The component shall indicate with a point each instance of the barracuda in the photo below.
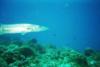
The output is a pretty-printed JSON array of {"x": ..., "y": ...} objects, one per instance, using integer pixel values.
[{"x": 21, "y": 28}]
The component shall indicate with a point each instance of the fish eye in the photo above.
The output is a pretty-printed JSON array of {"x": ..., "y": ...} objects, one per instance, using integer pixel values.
[{"x": 40, "y": 26}]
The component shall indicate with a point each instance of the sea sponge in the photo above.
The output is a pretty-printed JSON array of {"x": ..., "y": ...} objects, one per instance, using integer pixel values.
[{"x": 88, "y": 51}]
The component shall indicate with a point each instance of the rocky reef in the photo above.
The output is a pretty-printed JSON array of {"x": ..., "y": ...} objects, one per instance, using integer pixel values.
[{"x": 33, "y": 54}]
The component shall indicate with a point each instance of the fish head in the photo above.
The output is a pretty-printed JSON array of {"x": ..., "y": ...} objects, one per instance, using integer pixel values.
[{"x": 37, "y": 28}]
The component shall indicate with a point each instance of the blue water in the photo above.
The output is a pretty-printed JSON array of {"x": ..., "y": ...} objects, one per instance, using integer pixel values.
[{"x": 71, "y": 23}]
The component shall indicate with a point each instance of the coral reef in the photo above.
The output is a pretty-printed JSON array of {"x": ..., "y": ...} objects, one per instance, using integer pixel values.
[{"x": 33, "y": 54}]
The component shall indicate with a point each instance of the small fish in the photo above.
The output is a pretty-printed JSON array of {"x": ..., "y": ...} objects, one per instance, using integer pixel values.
[{"x": 20, "y": 28}]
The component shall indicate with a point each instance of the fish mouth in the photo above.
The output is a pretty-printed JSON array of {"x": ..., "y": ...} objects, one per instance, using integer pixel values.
[{"x": 44, "y": 28}]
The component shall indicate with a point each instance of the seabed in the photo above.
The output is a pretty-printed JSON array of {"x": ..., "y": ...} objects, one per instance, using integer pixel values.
[{"x": 33, "y": 54}]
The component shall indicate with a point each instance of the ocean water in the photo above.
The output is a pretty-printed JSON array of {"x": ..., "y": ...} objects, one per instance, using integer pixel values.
[{"x": 71, "y": 23}]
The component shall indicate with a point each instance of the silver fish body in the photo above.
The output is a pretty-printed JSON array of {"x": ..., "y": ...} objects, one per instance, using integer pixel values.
[{"x": 21, "y": 28}]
